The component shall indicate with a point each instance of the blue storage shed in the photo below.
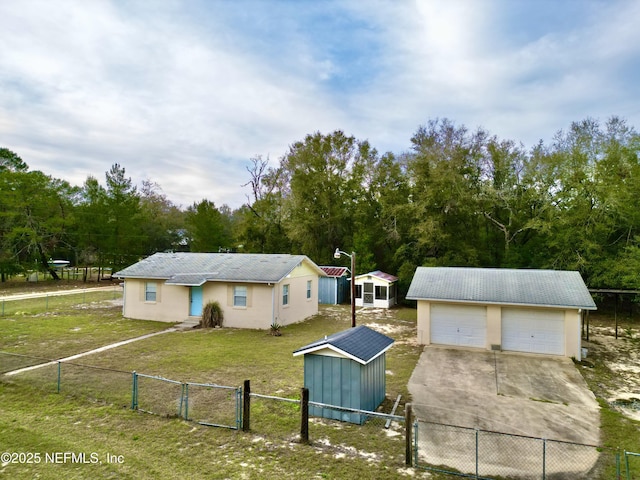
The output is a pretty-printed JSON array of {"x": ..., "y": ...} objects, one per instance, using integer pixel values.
[
  {"x": 334, "y": 288},
  {"x": 346, "y": 369}
]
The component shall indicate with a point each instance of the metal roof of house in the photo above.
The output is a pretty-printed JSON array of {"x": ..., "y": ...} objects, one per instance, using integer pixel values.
[
  {"x": 379, "y": 274},
  {"x": 334, "y": 271},
  {"x": 360, "y": 343},
  {"x": 194, "y": 269},
  {"x": 551, "y": 288}
]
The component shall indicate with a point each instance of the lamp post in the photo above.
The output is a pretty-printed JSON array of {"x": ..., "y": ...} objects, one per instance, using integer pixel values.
[{"x": 337, "y": 254}]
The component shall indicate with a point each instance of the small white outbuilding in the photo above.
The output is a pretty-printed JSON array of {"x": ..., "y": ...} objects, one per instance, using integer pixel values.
[{"x": 376, "y": 289}]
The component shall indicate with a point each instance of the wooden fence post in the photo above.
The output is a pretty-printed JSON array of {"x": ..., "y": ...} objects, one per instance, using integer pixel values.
[
  {"x": 408, "y": 424},
  {"x": 246, "y": 406},
  {"x": 304, "y": 416}
]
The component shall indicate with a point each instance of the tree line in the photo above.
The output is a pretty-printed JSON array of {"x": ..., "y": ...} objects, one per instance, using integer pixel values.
[{"x": 455, "y": 197}]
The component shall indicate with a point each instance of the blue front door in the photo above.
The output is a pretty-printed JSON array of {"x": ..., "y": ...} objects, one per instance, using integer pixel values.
[{"x": 195, "y": 306}]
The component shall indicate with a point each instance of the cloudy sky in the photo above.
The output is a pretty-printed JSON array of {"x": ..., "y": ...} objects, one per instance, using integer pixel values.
[{"x": 185, "y": 92}]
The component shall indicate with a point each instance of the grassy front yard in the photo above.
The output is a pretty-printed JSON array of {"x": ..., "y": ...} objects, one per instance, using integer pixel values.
[
  {"x": 92, "y": 413},
  {"x": 79, "y": 420},
  {"x": 61, "y": 326}
]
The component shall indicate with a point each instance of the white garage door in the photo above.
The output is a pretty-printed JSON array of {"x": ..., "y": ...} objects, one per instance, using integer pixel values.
[
  {"x": 459, "y": 325},
  {"x": 534, "y": 331}
]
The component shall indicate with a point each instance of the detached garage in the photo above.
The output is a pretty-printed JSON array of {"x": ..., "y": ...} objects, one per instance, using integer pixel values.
[{"x": 531, "y": 311}]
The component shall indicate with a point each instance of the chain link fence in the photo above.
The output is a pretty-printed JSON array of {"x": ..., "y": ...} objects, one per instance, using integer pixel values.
[
  {"x": 207, "y": 404},
  {"x": 213, "y": 405},
  {"x": 53, "y": 301},
  {"x": 485, "y": 454},
  {"x": 98, "y": 384},
  {"x": 632, "y": 465},
  {"x": 275, "y": 417},
  {"x": 343, "y": 431},
  {"x": 157, "y": 395},
  {"x": 451, "y": 449},
  {"x": 14, "y": 361},
  {"x": 362, "y": 433}
]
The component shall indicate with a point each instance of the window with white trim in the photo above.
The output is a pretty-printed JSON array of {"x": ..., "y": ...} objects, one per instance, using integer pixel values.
[
  {"x": 150, "y": 291},
  {"x": 240, "y": 296},
  {"x": 285, "y": 295},
  {"x": 381, "y": 292},
  {"x": 308, "y": 288}
]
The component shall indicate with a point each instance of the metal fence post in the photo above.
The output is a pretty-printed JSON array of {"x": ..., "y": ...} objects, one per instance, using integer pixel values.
[
  {"x": 544, "y": 458},
  {"x": 238, "y": 408},
  {"x": 416, "y": 458},
  {"x": 407, "y": 423},
  {"x": 134, "y": 391},
  {"x": 618, "y": 473},
  {"x": 185, "y": 389},
  {"x": 246, "y": 406},
  {"x": 477, "y": 450},
  {"x": 59, "y": 376},
  {"x": 626, "y": 465},
  {"x": 304, "y": 416}
]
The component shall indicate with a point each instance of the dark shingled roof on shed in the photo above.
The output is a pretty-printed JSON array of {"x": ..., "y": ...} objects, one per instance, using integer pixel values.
[{"x": 360, "y": 342}]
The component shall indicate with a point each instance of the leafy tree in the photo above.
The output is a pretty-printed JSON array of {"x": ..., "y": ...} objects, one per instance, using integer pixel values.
[
  {"x": 259, "y": 225},
  {"x": 207, "y": 229},
  {"x": 326, "y": 175},
  {"x": 125, "y": 239},
  {"x": 162, "y": 223},
  {"x": 37, "y": 218},
  {"x": 11, "y": 161},
  {"x": 92, "y": 230},
  {"x": 381, "y": 224},
  {"x": 445, "y": 174},
  {"x": 512, "y": 202}
]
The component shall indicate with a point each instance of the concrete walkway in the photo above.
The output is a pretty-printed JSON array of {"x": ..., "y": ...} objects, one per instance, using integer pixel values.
[
  {"x": 90, "y": 352},
  {"x": 187, "y": 324}
]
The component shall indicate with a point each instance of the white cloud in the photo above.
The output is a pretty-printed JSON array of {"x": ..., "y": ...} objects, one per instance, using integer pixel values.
[{"x": 184, "y": 93}]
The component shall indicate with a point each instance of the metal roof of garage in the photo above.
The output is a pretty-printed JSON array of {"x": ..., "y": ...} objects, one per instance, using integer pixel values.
[{"x": 550, "y": 288}]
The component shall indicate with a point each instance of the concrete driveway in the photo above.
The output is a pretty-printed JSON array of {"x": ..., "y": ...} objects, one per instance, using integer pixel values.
[{"x": 533, "y": 395}]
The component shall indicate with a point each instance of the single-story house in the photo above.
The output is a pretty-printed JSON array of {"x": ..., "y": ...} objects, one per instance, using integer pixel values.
[
  {"x": 533, "y": 311},
  {"x": 346, "y": 369},
  {"x": 334, "y": 288},
  {"x": 254, "y": 290},
  {"x": 376, "y": 289}
]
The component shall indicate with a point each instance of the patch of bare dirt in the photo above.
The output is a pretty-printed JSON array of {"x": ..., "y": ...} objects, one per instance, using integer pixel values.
[{"x": 615, "y": 365}]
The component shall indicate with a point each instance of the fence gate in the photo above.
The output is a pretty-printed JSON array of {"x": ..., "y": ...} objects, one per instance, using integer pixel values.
[
  {"x": 205, "y": 403},
  {"x": 213, "y": 405},
  {"x": 157, "y": 395}
]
